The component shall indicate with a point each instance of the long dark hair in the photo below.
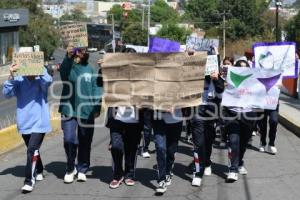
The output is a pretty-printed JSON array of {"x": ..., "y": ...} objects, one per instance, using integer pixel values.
[{"x": 83, "y": 55}]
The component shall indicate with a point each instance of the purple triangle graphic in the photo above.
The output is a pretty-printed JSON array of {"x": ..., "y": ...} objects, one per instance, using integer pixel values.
[{"x": 269, "y": 82}]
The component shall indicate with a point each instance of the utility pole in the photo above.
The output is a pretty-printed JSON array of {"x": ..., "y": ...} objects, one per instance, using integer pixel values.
[
  {"x": 278, "y": 4},
  {"x": 143, "y": 18},
  {"x": 224, "y": 32},
  {"x": 113, "y": 43},
  {"x": 149, "y": 17}
]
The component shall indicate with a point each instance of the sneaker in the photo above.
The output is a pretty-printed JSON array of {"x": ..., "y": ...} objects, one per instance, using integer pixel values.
[
  {"x": 242, "y": 170},
  {"x": 262, "y": 148},
  {"x": 129, "y": 182},
  {"x": 39, "y": 177},
  {"x": 81, "y": 177},
  {"x": 69, "y": 177},
  {"x": 207, "y": 171},
  {"x": 272, "y": 149},
  {"x": 116, "y": 183},
  {"x": 146, "y": 154},
  {"x": 254, "y": 133},
  {"x": 161, "y": 188},
  {"x": 232, "y": 177},
  {"x": 27, "y": 188},
  {"x": 197, "y": 180},
  {"x": 168, "y": 180}
]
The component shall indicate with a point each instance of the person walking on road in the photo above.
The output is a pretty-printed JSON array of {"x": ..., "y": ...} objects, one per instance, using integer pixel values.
[
  {"x": 79, "y": 106},
  {"x": 33, "y": 118}
]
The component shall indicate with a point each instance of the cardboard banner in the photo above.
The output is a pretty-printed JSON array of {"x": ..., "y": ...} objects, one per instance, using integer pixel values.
[
  {"x": 161, "y": 81},
  {"x": 74, "y": 33},
  {"x": 252, "y": 88},
  {"x": 212, "y": 65},
  {"x": 29, "y": 63},
  {"x": 158, "y": 45},
  {"x": 277, "y": 56},
  {"x": 201, "y": 44}
]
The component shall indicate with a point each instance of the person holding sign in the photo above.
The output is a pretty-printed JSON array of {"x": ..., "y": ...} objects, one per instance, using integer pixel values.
[
  {"x": 203, "y": 122},
  {"x": 79, "y": 106},
  {"x": 33, "y": 118}
]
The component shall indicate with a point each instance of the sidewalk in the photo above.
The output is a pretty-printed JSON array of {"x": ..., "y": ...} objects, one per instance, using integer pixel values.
[{"x": 289, "y": 113}]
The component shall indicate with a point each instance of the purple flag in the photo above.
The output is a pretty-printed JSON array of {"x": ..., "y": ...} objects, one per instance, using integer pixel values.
[
  {"x": 269, "y": 82},
  {"x": 158, "y": 45}
]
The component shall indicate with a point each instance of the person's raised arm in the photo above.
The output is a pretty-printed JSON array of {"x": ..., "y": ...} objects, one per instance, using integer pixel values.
[{"x": 10, "y": 86}]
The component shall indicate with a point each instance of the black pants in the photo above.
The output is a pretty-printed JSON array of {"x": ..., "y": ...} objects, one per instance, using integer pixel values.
[
  {"x": 263, "y": 126},
  {"x": 81, "y": 141},
  {"x": 148, "y": 114},
  {"x": 166, "y": 137},
  {"x": 34, "y": 163},
  {"x": 239, "y": 132},
  {"x": 203, "y": 132},
  {"x": 125, "y": 138}
]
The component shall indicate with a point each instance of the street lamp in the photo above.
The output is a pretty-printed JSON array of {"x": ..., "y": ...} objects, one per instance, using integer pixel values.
[{"x": 278, "y": 4}]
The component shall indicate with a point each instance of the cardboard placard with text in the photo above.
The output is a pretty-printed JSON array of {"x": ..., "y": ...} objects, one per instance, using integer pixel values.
[
  {"x": 75, "y": 33},
  {"x": 201, "y": 44},
  {"x": 160, "y": 80},
  {"x": 29, "y": 63}
]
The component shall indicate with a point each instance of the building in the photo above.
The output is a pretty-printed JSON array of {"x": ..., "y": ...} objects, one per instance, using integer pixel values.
[{"x": 10, "y": 22}]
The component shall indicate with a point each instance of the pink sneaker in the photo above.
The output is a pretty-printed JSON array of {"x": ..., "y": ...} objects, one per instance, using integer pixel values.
[
  {"x": 116, "y": 183},
  {"x": 129, "y": 182}
]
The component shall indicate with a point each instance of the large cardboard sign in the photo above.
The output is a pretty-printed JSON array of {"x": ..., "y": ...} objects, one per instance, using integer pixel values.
[
  {"x": 74, "y": 33},
  {"x": 159, "y": 80},
  {"x": 29, "y": 63}
]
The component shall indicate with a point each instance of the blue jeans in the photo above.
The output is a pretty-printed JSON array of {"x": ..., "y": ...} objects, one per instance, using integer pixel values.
[
  {"x": 125, "y": 138},
  {"x": 166, "y": 137},
  {"x": 81, "y": 141}
]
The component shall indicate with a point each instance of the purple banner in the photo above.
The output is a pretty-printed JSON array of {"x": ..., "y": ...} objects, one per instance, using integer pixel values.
[{"x": 160, "y": 45}]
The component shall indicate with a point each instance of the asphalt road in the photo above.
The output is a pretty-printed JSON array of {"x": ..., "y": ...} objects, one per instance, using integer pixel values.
[
  {"x": 8, "y": 106},
  {"x": 271, "y": 177}
]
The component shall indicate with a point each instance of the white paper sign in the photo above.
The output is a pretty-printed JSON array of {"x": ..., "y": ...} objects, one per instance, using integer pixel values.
[
  {"x": 252, "y": 88},
  {"x": 212, "y": 64}
]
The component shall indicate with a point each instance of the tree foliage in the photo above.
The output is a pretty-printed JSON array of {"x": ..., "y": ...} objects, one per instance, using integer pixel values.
[
  {"x": 174, "y": 32},
  {"x": 162, "y": 12},
  {"x": 293, "y": 30},
  {"x": 134, "y": 34},
  {"x": 76, "y": 15},
  {"x": 40, "y": 29}
]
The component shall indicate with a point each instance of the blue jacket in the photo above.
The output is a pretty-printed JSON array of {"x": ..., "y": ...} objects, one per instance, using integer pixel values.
[{"x": 33, "y": 115}]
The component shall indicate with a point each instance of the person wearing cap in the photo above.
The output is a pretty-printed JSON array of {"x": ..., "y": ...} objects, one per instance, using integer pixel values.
[{"x": 79, "y": 106}]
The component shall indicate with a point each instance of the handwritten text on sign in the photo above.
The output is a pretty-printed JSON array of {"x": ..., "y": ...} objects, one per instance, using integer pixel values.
[
  {"x": 29, "y": 63},
  {"x": 75, "y": 34}
]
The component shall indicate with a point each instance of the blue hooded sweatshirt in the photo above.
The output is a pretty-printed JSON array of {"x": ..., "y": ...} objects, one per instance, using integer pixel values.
[{"x": 33, "y": 115}]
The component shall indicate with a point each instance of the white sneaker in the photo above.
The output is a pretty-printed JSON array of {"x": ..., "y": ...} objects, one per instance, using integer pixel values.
[
  {"x": 168, "y": 180},
  {"x": 81, "y": 177},
  {"x": 254, "y": 133},
  {"x": 262, "y": 148},
  {"x": 69, "y": 177},
  {"x": 27, "y": 188},
  {"x": 207, "y": 171},
  {"x": 243, "y": 170},
  {"x": 161, "y": 188},
  {"x": 39, "y": 177},
  {"x": 272, "y": 149},
  {"x": 196, "y": 181},
  {"x": 146, "y": 154},
  {"x": 232, "y": 176}
]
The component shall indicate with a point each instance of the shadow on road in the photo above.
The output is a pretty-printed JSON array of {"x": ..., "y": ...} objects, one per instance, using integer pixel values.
[
  {"x": 17, "y": 171},
  {"x": 56, "y": 168}
]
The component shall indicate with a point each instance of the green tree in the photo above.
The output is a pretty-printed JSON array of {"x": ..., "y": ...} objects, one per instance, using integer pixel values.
[
  {"x": 162, "y": 12},
  {"x": 293, "y": 30},
  {"x": 76, "y": 15},
  {"x": 134, "y": 34},
  {"x": 174, "y": 32},
  {"x": 40, "y": 29}
]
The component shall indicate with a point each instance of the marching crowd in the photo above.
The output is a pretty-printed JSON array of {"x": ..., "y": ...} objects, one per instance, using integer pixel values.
[{"x": 129, "y": 126}]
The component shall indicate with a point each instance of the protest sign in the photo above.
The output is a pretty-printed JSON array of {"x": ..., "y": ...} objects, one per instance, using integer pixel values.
[
  {"x": 159, "y": 80},
  {"x": 212, "y": 65},
  {"x": 163, "y": 45},
  {"x": 29, "y": 63},
  {"x": 74, "y": 33},
  {"x": 201, "y": 44},
  {"x": 277, "y": 56},
  {"x": 252, "y": 88}
]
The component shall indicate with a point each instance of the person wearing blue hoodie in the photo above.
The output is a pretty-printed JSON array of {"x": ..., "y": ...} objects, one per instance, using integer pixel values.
[{"x": 33, "y": 118}]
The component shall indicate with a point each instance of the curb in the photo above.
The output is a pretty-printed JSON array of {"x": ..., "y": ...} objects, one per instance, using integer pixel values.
[
  {"x": 289, "y": 124},
  {"x": 10, "y": 139}
]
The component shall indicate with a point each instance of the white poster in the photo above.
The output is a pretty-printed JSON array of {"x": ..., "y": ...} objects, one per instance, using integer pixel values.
[
  {"x": 252, "y": 88},
  {"x": 277, "y": 56},
  {"x": 212, "y": 65}
]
